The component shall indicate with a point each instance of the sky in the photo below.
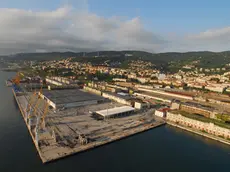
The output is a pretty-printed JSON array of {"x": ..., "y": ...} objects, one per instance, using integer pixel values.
[{"x": 96, "y": 25}]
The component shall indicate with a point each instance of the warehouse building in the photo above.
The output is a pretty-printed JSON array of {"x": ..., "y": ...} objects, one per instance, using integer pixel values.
[
  {"x": 191, "y": 107},
  {"x": 70, "y": 98},
  {"x": 198, "y": 109},
  {"x": 161, "y": 112},
  {"x": 60, "y": 81},
  {"x": 120, "y": 98},
  {"x": 173, "y": 94},
  {"x": 115, "y": 112}
]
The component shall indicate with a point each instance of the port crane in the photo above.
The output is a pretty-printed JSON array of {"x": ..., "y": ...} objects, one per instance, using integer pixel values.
[
  {"x": 16, "y": 80},
  {"x": 31, "y": 106},
  {"x": 30, "y": 102},
  {"x": 37, "y": 102},
  {"x": 44, "y": 115}
]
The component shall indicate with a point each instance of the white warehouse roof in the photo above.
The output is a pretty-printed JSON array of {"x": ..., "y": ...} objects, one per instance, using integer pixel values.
[{"x": 114, "y": 111}]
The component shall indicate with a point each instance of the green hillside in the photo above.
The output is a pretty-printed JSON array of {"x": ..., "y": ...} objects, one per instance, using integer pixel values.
[{"x": 206, "y": 59}]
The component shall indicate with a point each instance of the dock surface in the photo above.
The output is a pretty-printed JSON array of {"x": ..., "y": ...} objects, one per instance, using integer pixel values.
[{"x": 68, "y": 127}]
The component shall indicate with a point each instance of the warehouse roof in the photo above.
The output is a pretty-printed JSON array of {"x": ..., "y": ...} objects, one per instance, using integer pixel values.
[
  {"x": 125, "y": 97},
  {"x": 69, "y": 96},
  {"x": 114, "y": 111},
  {"x": 197, "y": 105}
]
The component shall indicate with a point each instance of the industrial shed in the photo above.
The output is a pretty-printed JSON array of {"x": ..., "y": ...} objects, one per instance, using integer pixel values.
[
  {"x": 115, "y": 112},
  {"x": 70, "y": 98}
]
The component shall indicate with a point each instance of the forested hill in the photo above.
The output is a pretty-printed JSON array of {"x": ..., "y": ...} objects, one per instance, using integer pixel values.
[
  {"x": 206, "y": 58},
  {"x": 59, "y": 55}
]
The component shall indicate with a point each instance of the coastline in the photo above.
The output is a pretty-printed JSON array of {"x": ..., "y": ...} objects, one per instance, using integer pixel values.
[{"x": 199, "y": 133}]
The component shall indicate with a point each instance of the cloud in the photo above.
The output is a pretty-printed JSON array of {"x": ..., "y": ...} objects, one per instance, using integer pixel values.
[
  {"x": 210, "y": 40},
  {"x": 68, "y": 29},
  {"x": 212, "y": 34},
  {"x": 77, "y": 29}
]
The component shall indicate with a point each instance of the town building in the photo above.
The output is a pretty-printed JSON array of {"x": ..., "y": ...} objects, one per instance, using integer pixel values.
[
  {"x": 195, "y": 108},
  {"x": 198, "y": 125},
  {"x": 161, "y": 112}
]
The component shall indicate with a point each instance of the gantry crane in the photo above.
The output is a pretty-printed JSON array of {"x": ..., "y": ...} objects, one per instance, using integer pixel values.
[
  {"x": 34, "y": 106},
  {"x": 44, "y": 115},
  {"x": 37, "y": 103},
  {"x": 32, "y": 112},
  {"x": 16, "y": 80},
  {"x": 30, "y": 103}
]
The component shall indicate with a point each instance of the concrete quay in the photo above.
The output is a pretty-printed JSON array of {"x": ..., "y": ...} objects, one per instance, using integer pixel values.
[
  {"x": 32, "y": 136},
  {"x": 54, "y": 151},
  {"x": 199, "y": 133}
]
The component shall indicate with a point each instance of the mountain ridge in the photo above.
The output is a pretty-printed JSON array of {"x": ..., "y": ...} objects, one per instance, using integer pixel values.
[{"x": 206, "y": 58}]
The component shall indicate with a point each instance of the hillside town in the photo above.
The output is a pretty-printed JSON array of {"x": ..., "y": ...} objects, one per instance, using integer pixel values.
[{"x": 213, "y": 80}]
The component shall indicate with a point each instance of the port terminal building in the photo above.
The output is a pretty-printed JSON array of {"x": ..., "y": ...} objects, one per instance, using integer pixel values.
[{"x": 69, "y": 98}]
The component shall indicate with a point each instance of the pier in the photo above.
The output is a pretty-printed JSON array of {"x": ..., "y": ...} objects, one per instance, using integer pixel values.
[{"x": 111, "y": 132}]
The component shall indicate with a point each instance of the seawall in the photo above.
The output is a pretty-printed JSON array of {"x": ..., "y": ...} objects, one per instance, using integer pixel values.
[{"x": 200, "y": 133}]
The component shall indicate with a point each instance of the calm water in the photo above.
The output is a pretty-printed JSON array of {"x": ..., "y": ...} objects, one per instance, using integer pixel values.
[{"x": 161, "y": 149}]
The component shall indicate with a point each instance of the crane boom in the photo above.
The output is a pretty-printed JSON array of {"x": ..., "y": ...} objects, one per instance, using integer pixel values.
[
  {"x": 42, "y": 124},
  {"x": 45, "y": 112},
  {"x": 36, "y": 107},
  {"x": 16, "y": 80},
  {"x": 37, "y": 103},
  {"x": 30, "y": 101}
]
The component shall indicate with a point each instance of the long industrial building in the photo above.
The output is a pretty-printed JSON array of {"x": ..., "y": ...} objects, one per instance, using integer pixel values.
[
  {"x": 191, "y": 107},
  {"x": 167, "y": 93},
  {"x": 115, "y": 112},
  {"x": 70, "y": 98}
]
